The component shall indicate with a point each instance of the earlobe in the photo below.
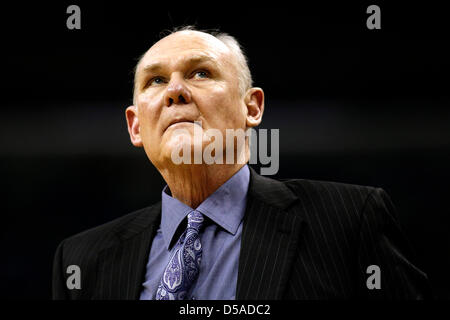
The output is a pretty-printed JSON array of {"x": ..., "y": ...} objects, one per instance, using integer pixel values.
[
  {"x": 254, "y": 101},
  {"x": 133, "y": 125}
]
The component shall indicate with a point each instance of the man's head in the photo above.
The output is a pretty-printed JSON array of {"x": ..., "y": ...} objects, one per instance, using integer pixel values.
[{"x": 190, "y": 76}]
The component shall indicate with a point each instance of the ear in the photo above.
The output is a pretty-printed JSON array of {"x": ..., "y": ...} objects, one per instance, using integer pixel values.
[
  {"x": 131, "y": 114},
  {"x": 254, "y": 100}
]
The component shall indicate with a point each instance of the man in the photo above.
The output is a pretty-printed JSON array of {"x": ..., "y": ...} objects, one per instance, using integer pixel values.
[{"x": 222, "y": 231}]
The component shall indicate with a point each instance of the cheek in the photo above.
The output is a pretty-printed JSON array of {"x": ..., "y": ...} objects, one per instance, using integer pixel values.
[
  {"x": 149, "y": 100},
  {"x": 149, "y": 114},
  {"x": 224, "y": 110}
]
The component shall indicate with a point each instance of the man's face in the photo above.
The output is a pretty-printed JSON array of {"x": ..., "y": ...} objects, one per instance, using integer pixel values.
[{"x": 188, "y": 76}]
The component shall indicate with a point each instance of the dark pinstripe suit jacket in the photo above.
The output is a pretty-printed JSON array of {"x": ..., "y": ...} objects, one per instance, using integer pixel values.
[{"x": 301, "y": 239}]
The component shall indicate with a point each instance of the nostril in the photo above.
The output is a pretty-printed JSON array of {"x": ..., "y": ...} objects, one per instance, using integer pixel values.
[
  {"x": 181, "y": 98},
  {"x": 170, "y": 101}
]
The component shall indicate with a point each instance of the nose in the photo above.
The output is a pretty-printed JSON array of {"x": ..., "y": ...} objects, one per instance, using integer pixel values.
[{"x": 177, "y": 93}]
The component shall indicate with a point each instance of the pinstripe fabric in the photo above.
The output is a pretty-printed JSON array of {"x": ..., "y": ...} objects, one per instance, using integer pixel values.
[{"x": 301, "y": 239}]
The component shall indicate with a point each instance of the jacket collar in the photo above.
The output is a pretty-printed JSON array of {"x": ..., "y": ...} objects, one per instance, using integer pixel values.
[{"x": 270, "y": 191}]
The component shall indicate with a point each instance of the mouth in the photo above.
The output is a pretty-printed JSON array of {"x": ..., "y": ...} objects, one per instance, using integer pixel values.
[{"x": 178, "y": 121}]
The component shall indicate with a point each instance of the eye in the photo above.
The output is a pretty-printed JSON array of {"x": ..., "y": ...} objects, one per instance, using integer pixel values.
[
  {"x": 201, "y": 74},
  {"x": 155, "y": 81}
]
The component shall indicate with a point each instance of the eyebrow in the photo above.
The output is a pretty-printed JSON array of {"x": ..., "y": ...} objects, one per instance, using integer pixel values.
[{"x": 196, "y": 59}]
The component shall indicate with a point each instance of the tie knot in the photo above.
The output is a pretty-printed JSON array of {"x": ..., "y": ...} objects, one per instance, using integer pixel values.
[{"x": 195, "y": 220}]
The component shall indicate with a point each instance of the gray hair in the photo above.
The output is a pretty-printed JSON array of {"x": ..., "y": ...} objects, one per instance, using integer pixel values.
[{"x": 244, "y": 74}]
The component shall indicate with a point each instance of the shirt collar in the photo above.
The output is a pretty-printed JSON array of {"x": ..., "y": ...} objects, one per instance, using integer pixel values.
[{"x": 226, "y": 206}]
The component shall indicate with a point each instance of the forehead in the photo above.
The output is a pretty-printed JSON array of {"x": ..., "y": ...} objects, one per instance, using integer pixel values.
[{"x": 183, "y": 44}]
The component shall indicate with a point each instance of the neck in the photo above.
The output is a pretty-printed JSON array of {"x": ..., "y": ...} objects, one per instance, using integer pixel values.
[{"x": 192, "y": 184}]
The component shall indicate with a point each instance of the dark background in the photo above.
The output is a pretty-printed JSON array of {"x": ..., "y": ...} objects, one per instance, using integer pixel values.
[{"x": 360, "y": 106}]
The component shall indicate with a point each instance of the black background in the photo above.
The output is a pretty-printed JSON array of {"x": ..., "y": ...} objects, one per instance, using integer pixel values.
[{"x": 360, "y": 106}]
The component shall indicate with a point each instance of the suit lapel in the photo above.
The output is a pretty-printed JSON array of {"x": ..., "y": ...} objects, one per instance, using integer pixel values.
[
  {"x": 121, "y": 267},
  {"x": 269, "y": 239}
]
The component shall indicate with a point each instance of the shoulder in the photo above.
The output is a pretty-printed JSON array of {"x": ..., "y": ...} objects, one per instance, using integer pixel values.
[
  {"x": 107, "y": 234},
  {"x": 330, "y": 191},
  {"x": 334, "y": 204},
  {"x": 311, "y": 193}
]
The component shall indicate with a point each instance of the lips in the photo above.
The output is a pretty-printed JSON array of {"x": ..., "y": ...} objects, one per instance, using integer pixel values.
[{"x": 178, "y": 120}]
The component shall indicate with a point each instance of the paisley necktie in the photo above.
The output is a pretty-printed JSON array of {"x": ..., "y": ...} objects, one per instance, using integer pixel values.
[{"x": 184, "y": 264}]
